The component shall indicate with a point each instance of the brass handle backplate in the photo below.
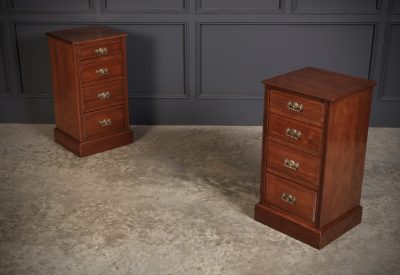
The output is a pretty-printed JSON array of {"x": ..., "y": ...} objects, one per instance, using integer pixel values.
[
  {"x": 290, "y": 199},
  {"x": 293, "y": 133},
  {"x": 104, "y": 95},
  {"x": 294, "y": 106},
  {"x": 291, "y": 164},
  {"x": 101, "y": 51},
  {"x": 102, "y": 71},
  {"x": 105, "y": 122}
]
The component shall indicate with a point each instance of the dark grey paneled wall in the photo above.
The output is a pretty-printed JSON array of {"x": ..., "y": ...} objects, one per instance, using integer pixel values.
[{"x": 202, "y": 61}]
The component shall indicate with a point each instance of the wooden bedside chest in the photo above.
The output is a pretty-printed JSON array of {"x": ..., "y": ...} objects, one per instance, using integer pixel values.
[
  {"x": 314, "y": 142},
  {"x": 90, "y": 89}
]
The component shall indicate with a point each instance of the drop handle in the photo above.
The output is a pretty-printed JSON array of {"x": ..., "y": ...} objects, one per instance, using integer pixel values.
[
  {"x": 291, "y": 164},
  {"x": 293, "y": 133},
  {"x": 102, "y": 71},
  {"x": 105, "y": 122},
  {"x": 101, "y": 51},
  {"x": 288, "y": 198},
  {"x": 104, "y": 95},
  {"x": 294, "y": 106}
]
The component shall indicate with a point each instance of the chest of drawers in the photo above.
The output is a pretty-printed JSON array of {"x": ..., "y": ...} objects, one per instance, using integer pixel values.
[
  {"x": 314, "y": 142},
  {"x": 90, "y": 89}
]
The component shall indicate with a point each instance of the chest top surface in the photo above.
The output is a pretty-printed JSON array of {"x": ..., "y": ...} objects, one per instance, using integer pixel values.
[
  {"x": 85, "y": 34},
  {"x": 319, "y": 83}
]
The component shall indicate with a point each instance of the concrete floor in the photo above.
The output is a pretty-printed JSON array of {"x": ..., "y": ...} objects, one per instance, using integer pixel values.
[{"x": 179, "y": 200}]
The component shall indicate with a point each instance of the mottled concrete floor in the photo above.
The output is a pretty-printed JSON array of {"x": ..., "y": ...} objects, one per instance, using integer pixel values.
[{"x": 179, "y": 200}]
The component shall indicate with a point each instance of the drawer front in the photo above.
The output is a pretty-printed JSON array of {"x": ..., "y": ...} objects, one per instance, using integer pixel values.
[
  {"x": 105, "y": 122},
  {"x": 295, "y": 132},
  {"x": 101, "y": 71},
  {"x": 291, "y": 197},
  {"x": 293, "y": 163},
  {"x": 103, "y": 95},
  {"x": 300, "y": 108},
  {"x": 100, "y": 49}
]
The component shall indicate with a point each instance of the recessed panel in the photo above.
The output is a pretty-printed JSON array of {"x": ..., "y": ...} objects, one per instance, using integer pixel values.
[
  {"x": 50, "y": 5},
  {"x": 335, "y": 6},
  {"x": 235, "y": 58},
  {"x": 239, "y": 5},
  {"x": 394, "y": 6},
  {"x": 144, "y": 5},
  {"x": 391, "y": 77},
  {"x": 34, "y": 59},
  {"x": 3, "y": 86},
  {"x": 156, "y": 59}
]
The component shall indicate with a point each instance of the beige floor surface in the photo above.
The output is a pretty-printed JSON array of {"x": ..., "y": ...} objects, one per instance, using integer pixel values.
[{"x": 179, "y": 200}]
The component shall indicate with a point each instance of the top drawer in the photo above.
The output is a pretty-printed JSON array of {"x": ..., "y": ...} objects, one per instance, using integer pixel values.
[
  {"x": 100, "y": 49},
  {"x": 297, "y": 107}
]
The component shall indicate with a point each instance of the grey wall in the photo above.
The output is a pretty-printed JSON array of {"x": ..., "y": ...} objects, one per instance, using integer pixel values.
[{"x": 202, "y": 61}]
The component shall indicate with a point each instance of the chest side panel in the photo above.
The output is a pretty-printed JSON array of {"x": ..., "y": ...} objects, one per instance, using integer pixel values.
[
  {"x": 346, "y": 140},
  {"x": 65, "y": 88}
]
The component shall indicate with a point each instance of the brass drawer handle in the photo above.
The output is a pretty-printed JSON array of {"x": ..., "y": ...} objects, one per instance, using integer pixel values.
[
  {"x": 101, "y": 51},
  {"x": 105, "y": 122},
  {"x": 102, "y": 71},
  {"x": 293, "y": 133},
  {"x": 104, "y": 95},
  {"x": 290, "y": 199},
  {"x": 294, "y": 106},
  {"x": 291, "y": 164}
]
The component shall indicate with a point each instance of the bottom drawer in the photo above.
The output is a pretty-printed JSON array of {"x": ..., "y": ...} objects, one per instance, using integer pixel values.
[
  {"x": 104, "y": 122},
  {"x": 291, "y": 197}
]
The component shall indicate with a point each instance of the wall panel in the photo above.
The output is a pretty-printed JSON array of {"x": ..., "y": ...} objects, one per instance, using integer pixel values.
[
  {"x": 156, "y": 60},
  {"x": 390, "y": 86},
  {"x": 33, "y": 57},
  {"x": 118, "y": 6},
  {"x": 49, "y": 6},
  {"x": 256, "y": 6},
  {"x": 394, "y": 6},
  {"x": 3, "y": 80},
  {"x": 335, "y": 6},
  {"x": 234, "y": 58}
]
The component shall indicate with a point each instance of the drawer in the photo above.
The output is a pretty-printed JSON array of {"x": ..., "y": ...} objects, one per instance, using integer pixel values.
[
  {"x": 292, "y": 162},
  {"x": 100, "y": 49},
  {"x": 104, "y": 122},
  {"x": 297, "y": 107},
  {"x": 296, "y": 132},
  {"x": 291, "y": 197},
  {"x": 103, "y": 95},
  {"x": 101, "y": 71}
]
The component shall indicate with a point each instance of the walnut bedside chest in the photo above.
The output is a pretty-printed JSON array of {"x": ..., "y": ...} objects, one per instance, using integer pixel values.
[
  {"x": 314, "y": 142},
  {"x": 90, "y": 89}
]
